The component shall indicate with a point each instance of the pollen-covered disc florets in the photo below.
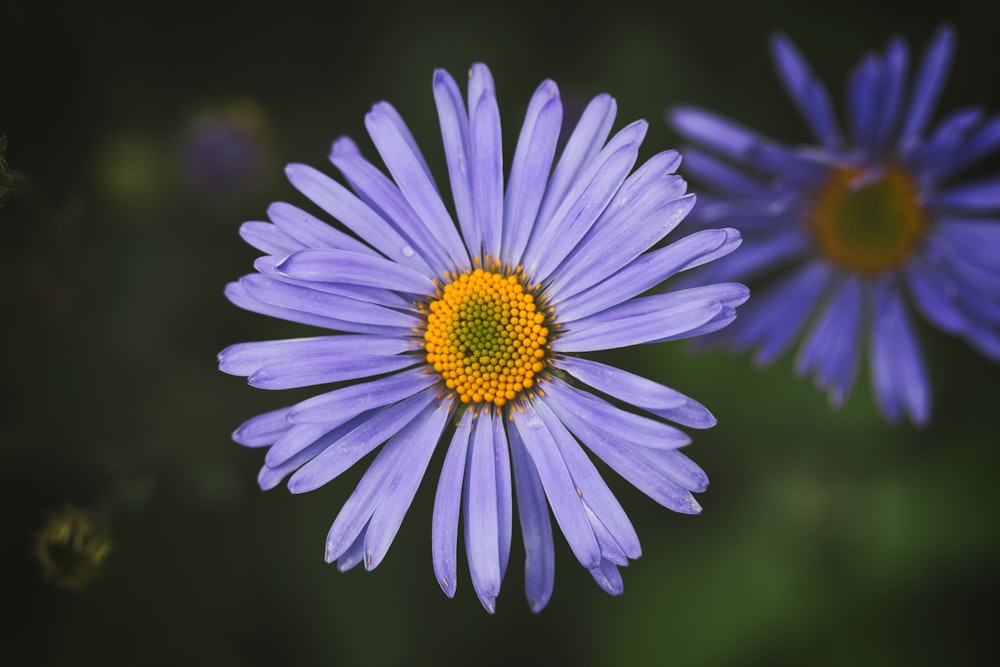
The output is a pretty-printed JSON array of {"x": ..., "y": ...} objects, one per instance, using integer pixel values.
[{"x": 486, "y": 335}]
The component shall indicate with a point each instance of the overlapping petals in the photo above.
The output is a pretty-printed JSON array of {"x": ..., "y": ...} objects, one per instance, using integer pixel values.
[
  {"x": 769, "y": 191},
  {"x": 579, "y": 229}
]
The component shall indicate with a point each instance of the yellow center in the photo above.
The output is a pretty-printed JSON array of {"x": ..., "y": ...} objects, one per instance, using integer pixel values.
[
  {"x": 868, "y": 226},
  {"x": 486, "y": 337}
]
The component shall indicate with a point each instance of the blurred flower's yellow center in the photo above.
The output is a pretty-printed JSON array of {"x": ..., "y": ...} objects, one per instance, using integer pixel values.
[
  {"x": 486, "y": 336},
  {"x": 869, "y": 226}
]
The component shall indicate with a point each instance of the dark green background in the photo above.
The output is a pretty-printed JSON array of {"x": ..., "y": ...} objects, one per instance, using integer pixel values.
[{"x": 827, "y": 537}]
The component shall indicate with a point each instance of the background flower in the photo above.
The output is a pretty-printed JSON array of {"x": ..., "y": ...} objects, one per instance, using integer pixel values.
[{"x": 854, "y": 225}]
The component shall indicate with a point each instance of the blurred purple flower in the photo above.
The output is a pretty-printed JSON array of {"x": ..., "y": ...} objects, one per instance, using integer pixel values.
[{"x": 852, "y": 230}]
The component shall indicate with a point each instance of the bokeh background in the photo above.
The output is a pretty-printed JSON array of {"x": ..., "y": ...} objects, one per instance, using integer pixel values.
[{"x": 142, "y": 138}]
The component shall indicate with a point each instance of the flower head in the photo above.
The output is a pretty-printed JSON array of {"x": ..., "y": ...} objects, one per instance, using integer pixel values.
[
  {"x": 465, "y": 335},
  {"x": 852, "y": 230}
]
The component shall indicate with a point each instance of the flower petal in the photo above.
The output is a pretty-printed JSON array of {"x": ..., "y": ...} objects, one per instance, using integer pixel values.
[
  {"x": 831, "y": 352},
  {"x": 529, "y": 170},
  {"x": 335, "y": 406},
  {"x": 644, "y": 273},
  {"x": 899, "y": 374},
  {"x": 447, "y": 508},
  {"x": 454, "y": 122},
  {"x": 773, "y": 318},
  {"x": 357, "y": 216},
  {"x": 418, "y": 440},
  {"x": 558, "y": 484},
  {"x": 611, "y": 333},
  {"x": 348, "y": 450},
  {"x": 657, "y": 473},
  {"x": 341, "y": 266},
  {"x": 487, "y": 169},
  {"x": 536, "y": 528},
  {"x": 481, "y": 517},
  {"x": 806, "y": 91},
  {"x": 264, "y": 429},
  {"x": 403, "y": 162},
  {"x": 247, "y": 358},
  {"x": 583, "y": 145},
  {"x": 929, "y": 82},
  {"x": 422, "y": 246},
  {"x": 591, "y": 488},
  {"x": 638, "y": 391}
]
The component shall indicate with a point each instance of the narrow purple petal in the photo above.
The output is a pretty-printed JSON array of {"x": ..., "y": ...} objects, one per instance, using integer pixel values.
[
  {"x": 973, "y": 197},
  {"x": 295, "y": 449},
  {"x": 357, "y": 216},
  {"x": 310, "y": 231},
  {"x": 363, "y": 439},
  {"x": 311, "y": 438},
  {"x": 633, "y": 428},
  {"x": 608, "y": 577},
  {"x": 487, "y": 171},
  {"x": 481, "y": 518},
  {"x": 404, "y": 165},
  {"x": 264, "y": 429},
  {"x": 422, "y": 246},
  {"x": 583, "y": 145},
  {"x": 832, "y": 351},
  {"x": 354, "y": 555},
  {"x": 246, "y": 358},
  {"x": 773, "y": 318},
  {"x": 720, "y": 176},
  {"x": 555, "y": 238},
  {"x": 930, "y": 80},
  {"x": 268, "y": 238},
  {"x": 341, "y": 266},
  {"x": 654, "y": 472},
  {"x": 713, "y": 131},
  {"x": 353, "y": 519},
  {"x": 612, "y": 333},
  {"x": 378, "y": 296},
  {"x": 591, "y": 487},
  {"x": 806, "y": 92},
  {"x": 536, "y": 528},
  {"x": 937, "y": 153},
  {"x": 899, "y": 374},
  {"x": 505, "y": 497},
  {"x": 454, "y": 122},
  {"x": 644, "y": 273},
  {"x": 418, "y": 440},
  {"x": 249, "y": 299},
  {"x": 559, "y": 488},
  {"x": 985, "y": 141},
  {"x": 447, "y": 508},
  {"x": 529, "y": 170},
  {"x": 935, "y": 295},
  {"x": 648, "y": 206},
  {"x": 336, "y": 406},
  {"x": 638, "y": 391},
  {"x": 331, "y": 306},
  {"x": 292, "y": 373},
  {"x": 864, "y": 99},
  {"x": 897, "y": 64},
  {"x": 761, "y": 254}
]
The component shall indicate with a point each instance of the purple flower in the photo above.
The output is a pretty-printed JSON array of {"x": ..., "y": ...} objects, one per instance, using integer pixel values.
[
  {"x": 466, "y": 336},
  {"x": 851, "y": 231}
]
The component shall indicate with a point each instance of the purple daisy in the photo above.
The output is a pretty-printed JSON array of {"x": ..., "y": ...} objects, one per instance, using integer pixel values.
[
  {"x": 851, "y": 231},
  {"x": 467, "y": 336}
]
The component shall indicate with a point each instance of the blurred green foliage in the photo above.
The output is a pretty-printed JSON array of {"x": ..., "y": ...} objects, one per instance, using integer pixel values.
[{"x": 828, "y": 537}]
